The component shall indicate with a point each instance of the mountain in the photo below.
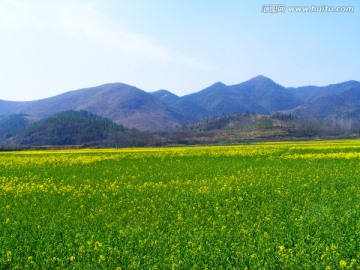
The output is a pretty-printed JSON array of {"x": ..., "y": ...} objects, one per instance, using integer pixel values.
[
  {"x": 336, "y": 104},
  {"x": 220, "y": 99},
  {"x": 123, "y": 104},
  {"x": 259, "y": 95},
  {"x": 307, "y": 94},
  {"x": 341, "y": 106},
  {"x": 190, "y": 110},
  {"x": 267, "y": 94},
  {"x": 163, "y": 110}
]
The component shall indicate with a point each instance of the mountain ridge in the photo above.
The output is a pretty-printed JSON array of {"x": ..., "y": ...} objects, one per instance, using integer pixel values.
[{"x": 162, "y": 110}]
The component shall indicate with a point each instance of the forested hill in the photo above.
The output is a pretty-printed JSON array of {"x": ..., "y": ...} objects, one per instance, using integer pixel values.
[{"x": 68, "y": 128}]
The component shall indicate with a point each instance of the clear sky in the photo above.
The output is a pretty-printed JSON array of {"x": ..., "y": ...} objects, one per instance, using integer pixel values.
[{"x": 48, "y": 47}]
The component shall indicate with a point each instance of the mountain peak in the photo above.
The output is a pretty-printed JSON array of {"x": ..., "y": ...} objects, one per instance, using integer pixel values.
[
  {"x": 215, "y": 86},
  {"x": 218, "y": 84},
  {"x": 347, "y": 83},
  {"x": 261, "y": 78},
  {"x": 162, "y": 92}
]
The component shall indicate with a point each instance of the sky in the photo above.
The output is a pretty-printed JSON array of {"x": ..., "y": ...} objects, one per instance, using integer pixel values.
[{"x": 48, "y": 47}]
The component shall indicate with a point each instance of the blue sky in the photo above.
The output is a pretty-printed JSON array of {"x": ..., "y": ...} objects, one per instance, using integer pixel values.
[{"x": 49, "y": 47}]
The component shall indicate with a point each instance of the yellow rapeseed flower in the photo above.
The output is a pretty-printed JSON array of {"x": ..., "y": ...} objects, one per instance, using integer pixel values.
[
  {"x": 8, "y": 256},
  {"x": 342, "y": 263},
  {"x": 101, "y": 258}
]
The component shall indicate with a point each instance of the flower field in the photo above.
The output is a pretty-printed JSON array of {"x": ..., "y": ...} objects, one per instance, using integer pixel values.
[{"x": 260, "y": 206}]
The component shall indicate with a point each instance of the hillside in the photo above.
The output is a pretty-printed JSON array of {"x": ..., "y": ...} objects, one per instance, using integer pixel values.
[
  {"x": 341, "y": 108},
  {"x": 190, "y": 110},
  {"x": 249, "y": 127},
  {"x": 84, "y": 129},
  {"x": 13, "y": 124}
]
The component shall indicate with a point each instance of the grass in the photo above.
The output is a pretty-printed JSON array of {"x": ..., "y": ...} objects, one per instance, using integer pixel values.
[{"x": 261, "y": 206}]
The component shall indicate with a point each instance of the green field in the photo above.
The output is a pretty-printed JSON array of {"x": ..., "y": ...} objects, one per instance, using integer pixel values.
[{"x": 261, "y": 206}]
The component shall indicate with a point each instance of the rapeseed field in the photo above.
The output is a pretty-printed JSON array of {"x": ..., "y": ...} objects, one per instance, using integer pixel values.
[{"x": 262, "y": 206}]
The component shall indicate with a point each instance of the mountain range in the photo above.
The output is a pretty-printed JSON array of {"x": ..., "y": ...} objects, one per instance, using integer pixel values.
[{"x": 163, "y": 110}]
